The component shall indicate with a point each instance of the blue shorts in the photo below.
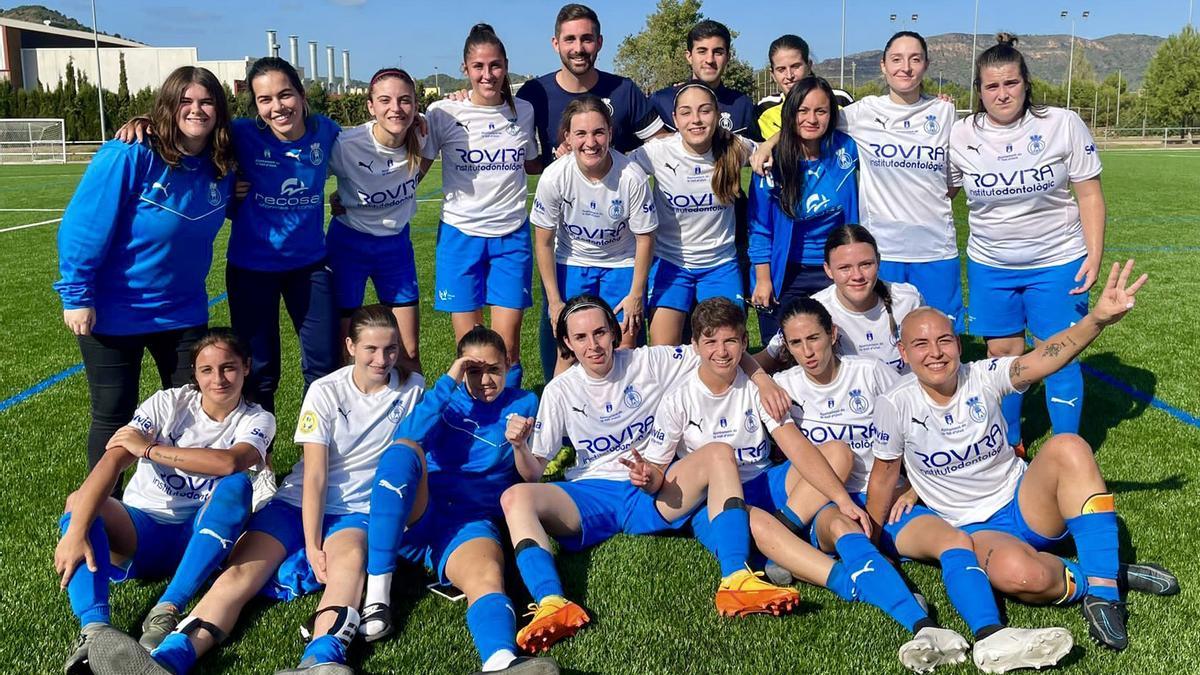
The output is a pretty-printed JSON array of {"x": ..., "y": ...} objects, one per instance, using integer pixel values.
[
  {"x": 1009, "y": 520},
  {"x": 1005, "y": 302},
  {"x": 681, "y": 288},
  {"x": 431, "y": 541},
  {"x": 282, "y": 522},
  {"x": 160, "y": 546},
  {"x": 610, "y": 283},
  {"x": 766, "y": 491},
  {"x": 470, "y": 272},
  {"x": 939, "y": 281},
  {"x": 610, "y": 507},
  {"x": 891, "y": 531},
  {"x": 389, "y": 262}
]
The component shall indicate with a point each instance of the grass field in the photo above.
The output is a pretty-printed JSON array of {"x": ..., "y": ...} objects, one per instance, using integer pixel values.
[{"x": 650, "y": 597}]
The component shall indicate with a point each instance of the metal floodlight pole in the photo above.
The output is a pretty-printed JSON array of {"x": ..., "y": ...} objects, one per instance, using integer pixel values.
[
  {"x": 1071, "y": 57},
  {"x": 971, "y": 64},
  {"x": 1118, "y": 122},
  {"x": 99, "y": 76},
  {"x": 842, "y": 72}
]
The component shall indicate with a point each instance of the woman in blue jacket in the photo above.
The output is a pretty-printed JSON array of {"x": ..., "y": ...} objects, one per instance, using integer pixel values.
[
  {"x": 810, "y": 190},
  {"x": 135, "y": 246}
]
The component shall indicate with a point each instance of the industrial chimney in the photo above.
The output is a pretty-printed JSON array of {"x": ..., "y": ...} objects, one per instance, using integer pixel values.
[
  {"x": 329, "y": 63},
  {"x": 294, "y": 50},
  {"x": 312, "y": 60},
  {"x": 271, "y": 46},
  {"x": 345, "y": 70}
]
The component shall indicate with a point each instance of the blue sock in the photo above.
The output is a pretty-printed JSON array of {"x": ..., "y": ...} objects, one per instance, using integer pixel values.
[
  {"x": 513, "y": 378},
  {"x": 493, "y": 625},
  {"x": 1064, "y": 398},
  {"x": 324, "y": 649},
  {"x": 969, "y": 589},
  {"x": 1095, "y": 536},
  {"x": 88, "y": 590},
  {"x": 877, "y": 581},
  {"x": 537, "y": 569},
  {"x": 1076, "y": 581},
  {"x": 1010, "y": 406},
  {"x": 731, "y": 532},
  {"x": 175, "y": 653},
  {"x": 839, "y": 584},
  {"x": 218, "y": 525},
  {"x": 392, "y": 495}
]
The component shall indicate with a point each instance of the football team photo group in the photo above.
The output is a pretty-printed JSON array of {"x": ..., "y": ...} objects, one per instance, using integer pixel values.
[{"x": 845, "y": 435}]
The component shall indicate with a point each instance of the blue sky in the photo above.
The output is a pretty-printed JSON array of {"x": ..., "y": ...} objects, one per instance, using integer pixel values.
[{"x": 421, "y": 35}]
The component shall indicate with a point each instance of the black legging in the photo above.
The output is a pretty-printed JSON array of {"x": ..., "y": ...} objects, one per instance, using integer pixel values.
[{"x": 113, "y": 364}]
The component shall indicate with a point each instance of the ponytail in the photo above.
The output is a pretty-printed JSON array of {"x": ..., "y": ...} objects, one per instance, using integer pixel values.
[
  {"x": 484, "y": 34},
  {"x": 729, "y": 155}
]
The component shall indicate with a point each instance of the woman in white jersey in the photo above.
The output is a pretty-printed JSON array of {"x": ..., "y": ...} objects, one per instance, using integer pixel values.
[
  {"x": 488, "y": 149},
  {"x": 595, "y": 222},
  {"x": 313, "y": 534},
  {"x": 187, "y": 501},
  {"x": 1034, "y": 251},
  {"x": 697, "y": 178},
  {"x": 866, "y": 309},
  {"x": 376, "y": 165},
  {"x": 903, "y": 139},
  {"x": 605, "y": 405}
]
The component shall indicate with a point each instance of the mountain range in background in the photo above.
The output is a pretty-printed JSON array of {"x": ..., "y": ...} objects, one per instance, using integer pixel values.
[
  {"x": 1047, "y": 56},
  {"x": 40, "y": 14}
]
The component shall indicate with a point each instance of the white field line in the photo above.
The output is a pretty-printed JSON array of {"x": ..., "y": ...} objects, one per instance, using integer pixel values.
[{"x": 22, "y": 227}]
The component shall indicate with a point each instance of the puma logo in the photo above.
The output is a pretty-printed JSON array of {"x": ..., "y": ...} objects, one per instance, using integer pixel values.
[
  {"x": 344, "y": 413},
  {"x": 225, "y": 543},
  {"x": 674, "y": 169},
  {"x": 921, "y": 422},
  {"x": 866, "y": 568},
  {"x": 160, "y": 186},
  {"x": 1064, "y": 401},
  {"x": 387, "y": 485},
  {"x": 881, "y": 122},
  {"x": 581, "y": 411},
  {"x": 569, "y": 202},
  {"x": 367, "y": 165},
  {"x": 699, "y": 425},
  {"x": 974, "y": 147},
  {"x": 461, "y": 124}
]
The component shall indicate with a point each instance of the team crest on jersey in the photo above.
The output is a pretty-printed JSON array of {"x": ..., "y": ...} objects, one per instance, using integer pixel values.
[
  {"x": 978, "y": 412},
  {"x": 931, "y": 125},
  {"x": 858, "y": 402},
  {"x": 723, "y": 423},
  {"x": 315, "y": 154},
  {"x": 616, "y": 209},
  {"x": 308, "y": 422},
  {"x": 1036, "y": 144},
  {"x": 751, "y": 421},
  {"x": 726, "y": 121},
  {"x": 870, "y": 336},
  {"x": 949, "y": 418},
  {"x": 513, "y": 128},
  {"x": 843, "y": 159},
  {"x": 395, "y": 414},
  {"x": 830, "y": 403},
  {"x": 214, "y": 195},
  {"x": 266, "y": 153},
  {"x": 632, "y": 398}
]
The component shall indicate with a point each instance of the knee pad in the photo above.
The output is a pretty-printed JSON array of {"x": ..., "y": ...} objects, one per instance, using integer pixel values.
[
  {"x": 1101, "y": 502},
  {"x": 345, "y": 623},
  {"x": 194, "y": 623},
  {"x": 734, "y": 504}
]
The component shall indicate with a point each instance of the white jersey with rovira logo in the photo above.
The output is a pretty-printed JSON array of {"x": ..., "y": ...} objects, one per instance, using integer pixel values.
[
  {"x": 376, "y": 184},
  {"x": 604, "y": 418},
  {"x": 842, "y": 410},
  {"x": 695, "y": 230},
  {"x": 692, "y": 416},
  {"x": 1017, "y": 179},
  {"x": 484, "y": 149},
  {"x": 595, "y": 221},
  {"x": 865, "y": 333},
  {"x": 356, "y": 428},
  {"x": 957, "y": 455},
  {"x": 903, "y": 175},
  {"x": 175, "y": 418}
]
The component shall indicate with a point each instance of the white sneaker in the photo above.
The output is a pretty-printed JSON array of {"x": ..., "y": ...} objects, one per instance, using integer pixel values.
[
  {"x": 932, "y": 647},
  {"x": 1012, "y": 648},
  {"x": 264, "y": 488}
]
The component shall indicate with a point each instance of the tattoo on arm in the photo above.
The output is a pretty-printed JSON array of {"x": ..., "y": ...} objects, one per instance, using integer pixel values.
[
  {"x": 1053, "y": 349},
  {"x": 1014, "y": 373}
]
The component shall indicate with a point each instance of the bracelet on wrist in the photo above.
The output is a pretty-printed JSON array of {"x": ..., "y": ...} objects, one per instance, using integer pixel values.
[{"x": 146, "y": 452}]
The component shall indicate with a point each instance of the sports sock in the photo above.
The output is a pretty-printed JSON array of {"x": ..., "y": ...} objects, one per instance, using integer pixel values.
[
  {"x": 499, "y": 661},
  {"x": 731, "y": 532},
  {"x": 1064, "y": 398},
  {"x": 175, "y": 653},
  {"x": 1010, "y": 406},
  {"x": 1095, "y": 535},
  {"x": 969, "y": 589},
  {"x": 217, "y": 527},
  {"x": 324, "y": 649},
  {"x": 513, "y": 378},
  {"x": 1076, "y": 582},
  {"x": 88, "y": 590},
  {"x": 492, "y": 623},
  {"x": 877, "y": 581},
  {"x": 537, "y": 569},
  {"x": 839, "y": 584},
  {"x": 379, "y": 589},
  {"x": 392, "y": 496}
]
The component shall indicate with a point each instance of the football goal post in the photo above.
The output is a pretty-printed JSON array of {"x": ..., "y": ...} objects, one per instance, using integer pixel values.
[{"x": 33, "y": 141}]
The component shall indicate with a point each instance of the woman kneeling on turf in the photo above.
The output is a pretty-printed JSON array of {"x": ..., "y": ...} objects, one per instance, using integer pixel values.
[
  {"x": 314, "y": 532},
  {"x": 605, "y": 405},
  {"x": 944, "y": 421},
  {"x": 185, "y": 505},
  {"x": 467, "y": 425}
]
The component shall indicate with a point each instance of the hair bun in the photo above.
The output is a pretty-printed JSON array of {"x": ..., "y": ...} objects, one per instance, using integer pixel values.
[
  {"x": 1006, "y": 39},
  {"x": 482, "y": 28}
]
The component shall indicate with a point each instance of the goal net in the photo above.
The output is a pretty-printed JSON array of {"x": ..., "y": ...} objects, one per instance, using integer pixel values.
[{"x": 32, "y": 141}]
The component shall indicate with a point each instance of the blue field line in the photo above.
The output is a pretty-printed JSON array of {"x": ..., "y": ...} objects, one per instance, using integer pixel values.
[{"x": 54, "y": 379}]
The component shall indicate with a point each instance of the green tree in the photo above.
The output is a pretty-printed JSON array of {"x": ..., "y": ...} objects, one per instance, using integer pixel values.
[
  {"x": 122, "y": 78},
  {"x": 1172, "y": 83}
]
